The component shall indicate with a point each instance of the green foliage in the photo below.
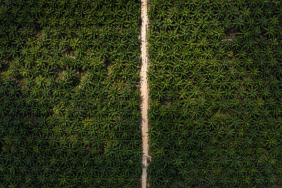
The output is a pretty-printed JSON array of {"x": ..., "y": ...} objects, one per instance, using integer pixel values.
[
  {"x": 68, "y": 94},
  {"x": 215, "y": 93}
]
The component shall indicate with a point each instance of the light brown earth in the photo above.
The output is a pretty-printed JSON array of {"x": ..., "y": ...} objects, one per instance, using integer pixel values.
[{"x": 144, "y": 92}]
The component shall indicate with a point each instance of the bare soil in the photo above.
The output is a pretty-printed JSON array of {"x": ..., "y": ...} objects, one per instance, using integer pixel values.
[{"x": 144, "y": 92}]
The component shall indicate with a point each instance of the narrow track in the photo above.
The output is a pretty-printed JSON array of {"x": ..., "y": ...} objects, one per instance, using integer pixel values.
[{"x": 144, "y": 92}]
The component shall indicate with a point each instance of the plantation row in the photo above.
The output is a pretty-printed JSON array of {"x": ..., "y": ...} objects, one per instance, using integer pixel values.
[
  {"x": 69, "y": 94},
  {"x": 216, "y": 93}
]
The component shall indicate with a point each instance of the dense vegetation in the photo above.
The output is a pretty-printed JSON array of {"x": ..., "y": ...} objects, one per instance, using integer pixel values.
[
  {"x": 69, "y": 94},
  {"x": 216, "y": 93}
]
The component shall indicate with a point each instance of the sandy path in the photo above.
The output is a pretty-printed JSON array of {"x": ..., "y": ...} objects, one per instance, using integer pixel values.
[{"x": 144, "y": 91}]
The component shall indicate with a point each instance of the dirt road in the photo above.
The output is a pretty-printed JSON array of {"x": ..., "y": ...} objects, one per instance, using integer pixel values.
[{"x": 144, "y": 91}]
